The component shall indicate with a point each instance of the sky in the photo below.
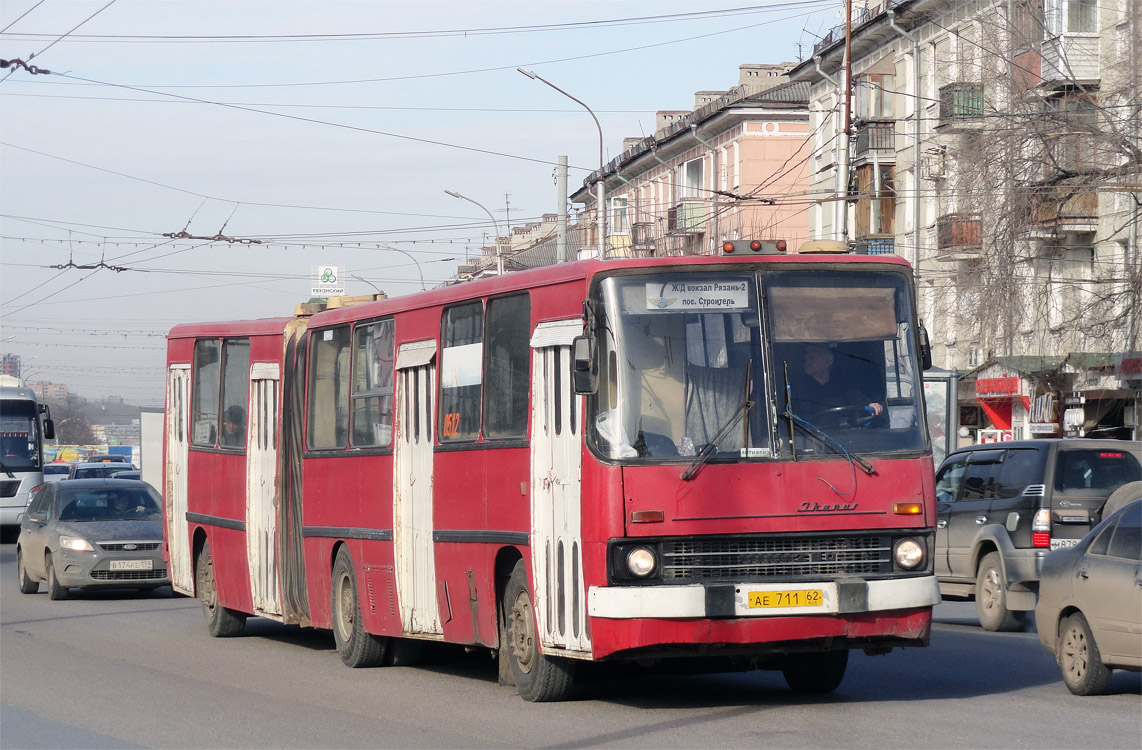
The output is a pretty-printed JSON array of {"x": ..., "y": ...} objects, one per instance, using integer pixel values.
[{"x": 305, "y": 133}]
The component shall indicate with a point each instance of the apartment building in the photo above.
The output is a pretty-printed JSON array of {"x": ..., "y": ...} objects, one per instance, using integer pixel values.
[{"x": 997, "y": 146}]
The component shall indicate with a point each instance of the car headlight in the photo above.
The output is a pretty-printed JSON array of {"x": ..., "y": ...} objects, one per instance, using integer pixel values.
[
  {"x": 908, "y": 554},
  {"x": 641, "y": 562},
  {"x": 77, "y": 543}
]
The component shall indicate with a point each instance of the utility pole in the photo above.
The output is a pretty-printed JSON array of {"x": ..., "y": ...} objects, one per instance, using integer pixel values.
[{"x": 561, "y": 203}]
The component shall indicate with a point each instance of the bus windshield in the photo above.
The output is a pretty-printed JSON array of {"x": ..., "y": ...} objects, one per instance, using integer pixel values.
[
  {"x": 19, "y": 436},
  {"x": 691, "y": 363}
]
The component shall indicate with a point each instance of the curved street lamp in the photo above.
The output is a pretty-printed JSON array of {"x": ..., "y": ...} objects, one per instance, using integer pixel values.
[
  {"x": 495, "y": 226},
  {"x": 410, "y": 257},
  {"x": 601, "y": 214}
]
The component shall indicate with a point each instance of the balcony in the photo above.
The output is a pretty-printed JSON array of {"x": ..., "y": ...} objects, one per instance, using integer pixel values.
[
  {"x": 1067, "y": 208},
  {"x": 959, "y": 237},
  {"x": 1069, "y": 59},
  {"x": 876, "y": 135},
  {"x": 961, "y": 104},
  {"x": 687, "y": 217}
]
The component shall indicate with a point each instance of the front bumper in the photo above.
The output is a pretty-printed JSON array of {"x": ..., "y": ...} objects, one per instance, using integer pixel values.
[
  {"x": 105, "y": 569},
  {"x": 845, "y": 596}
]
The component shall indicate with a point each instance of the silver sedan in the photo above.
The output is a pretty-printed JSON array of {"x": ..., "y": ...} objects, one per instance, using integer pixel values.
[
  {"x": 91, "y": 533},
  {"x": 1090, "y": 603}
]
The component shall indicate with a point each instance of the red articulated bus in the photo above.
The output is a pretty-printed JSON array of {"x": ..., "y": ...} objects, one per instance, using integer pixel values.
[{"x": 715, "y": 459}]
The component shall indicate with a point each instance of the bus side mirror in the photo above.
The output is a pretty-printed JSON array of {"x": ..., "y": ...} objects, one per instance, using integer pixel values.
[
  {"x": 584, "y": 377},
  {"x": 925, "y": 349},
  {"x": 49, "y": 429}
]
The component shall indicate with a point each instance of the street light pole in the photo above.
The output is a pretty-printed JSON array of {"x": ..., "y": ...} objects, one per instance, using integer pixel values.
[
  {"x": 407, "y": 255},
  {"x": 600, "y": 209},
  {"x": 495, "y": 226}
]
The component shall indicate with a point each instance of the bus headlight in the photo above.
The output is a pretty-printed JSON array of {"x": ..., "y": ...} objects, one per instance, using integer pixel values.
[
  {"x": 78, "y": 544},
  {"x": 908, "y": 554},
  {"x": 641, "y": 562}
]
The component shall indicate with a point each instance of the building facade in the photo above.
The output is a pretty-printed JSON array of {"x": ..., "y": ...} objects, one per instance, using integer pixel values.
[{"x": 997, "y": 146}]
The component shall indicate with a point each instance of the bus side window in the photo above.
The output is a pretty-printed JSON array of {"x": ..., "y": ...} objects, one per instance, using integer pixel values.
[
  {"x": 328, "y": 422},
  {"x": 461, "y": 372},
  {"x": 205, "y": 388},
  {"x": 372, "y": 412},
  {"x": 506, "y": 366}
]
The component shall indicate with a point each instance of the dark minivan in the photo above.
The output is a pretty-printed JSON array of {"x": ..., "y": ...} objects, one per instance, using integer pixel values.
[{"x": 1001, "y": 507}]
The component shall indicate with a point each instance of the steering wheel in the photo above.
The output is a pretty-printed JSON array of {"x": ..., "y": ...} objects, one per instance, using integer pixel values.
[{"x": 846, "y": 416}]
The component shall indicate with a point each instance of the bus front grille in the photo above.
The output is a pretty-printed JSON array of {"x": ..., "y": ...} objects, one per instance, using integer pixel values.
[{"x": 769, "y": 557}]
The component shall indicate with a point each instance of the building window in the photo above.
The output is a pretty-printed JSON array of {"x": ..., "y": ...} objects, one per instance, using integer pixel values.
[
  {"x": 690, "y": 178},
  {"x": 619, "y": 222},
  {"x": 874, "y": 96},
  {"x": 1072, "y": 16}
]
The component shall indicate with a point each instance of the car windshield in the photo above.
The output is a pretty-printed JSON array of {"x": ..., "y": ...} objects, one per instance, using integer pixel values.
[
  {"x": 100, "y": 471},
  {"x": 56, "y": 469},
  {"x": 109, "y": 504}
]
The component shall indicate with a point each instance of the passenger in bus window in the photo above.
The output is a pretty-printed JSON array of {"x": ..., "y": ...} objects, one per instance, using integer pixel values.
[
  {"x": 234, "y": 427},
  {"x": 822, "y": 391}
]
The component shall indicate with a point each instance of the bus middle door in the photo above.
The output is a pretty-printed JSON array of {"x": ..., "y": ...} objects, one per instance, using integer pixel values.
[{"x": 261, "y": 488}]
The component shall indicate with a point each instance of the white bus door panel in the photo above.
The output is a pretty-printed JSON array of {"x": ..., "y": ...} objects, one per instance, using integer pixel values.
[
  {"x": 181, "y": 570},
  {"x": 412, "y": 521},
  {"x": 261, "y": 488},
  {"x": 556, "y": 536}
]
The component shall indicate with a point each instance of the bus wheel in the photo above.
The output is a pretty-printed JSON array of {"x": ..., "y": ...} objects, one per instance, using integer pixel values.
[
  {"x": 817, "y": 672},
  {"x": 27, "y": 585},
  {"x": 538, "y": 678},
  {"x": 55, "y": 590},
  {"x": 220, "y": 621},
  {"x": 356, "y": 647}
]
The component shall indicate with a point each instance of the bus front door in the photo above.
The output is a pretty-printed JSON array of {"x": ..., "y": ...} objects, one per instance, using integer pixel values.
[
  {"x": 412, "y": 522},
  {"x": 261, "y": 488},
  {"x": 174, "y": 492},
  {"x": 556, "y": 458}
]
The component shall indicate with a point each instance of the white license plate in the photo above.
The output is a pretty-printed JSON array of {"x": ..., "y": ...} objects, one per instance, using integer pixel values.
[
  {"x": 132, "y": 564},
  {"x": 1063, "y": 543}
]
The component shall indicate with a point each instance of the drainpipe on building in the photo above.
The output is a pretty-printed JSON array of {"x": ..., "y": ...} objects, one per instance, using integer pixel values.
[
  {"x": 715, "y": 238},
  {"x": 841, "y": 182},
  {"x": 916, "y": 143},
  {"x": 561, "y": 199}
]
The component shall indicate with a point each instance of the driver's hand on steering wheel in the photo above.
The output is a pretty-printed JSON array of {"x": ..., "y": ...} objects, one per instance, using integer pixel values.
[{"x": 876, "y": 409}]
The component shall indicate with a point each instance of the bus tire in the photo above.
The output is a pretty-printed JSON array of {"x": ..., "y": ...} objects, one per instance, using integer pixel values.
[
  {"x": 538, "y": 678},
  {"x": 991, "y": 597},
  {"x": 816, "y": 672},
  {"x": 55, "y": 590},
  {"x": 356, "y": 647},
  {"x": 220, "y": 621},
  {"x": 27, "y": 585}
]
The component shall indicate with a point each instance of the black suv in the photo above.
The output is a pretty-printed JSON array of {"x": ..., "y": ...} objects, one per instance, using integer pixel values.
[{"x": 1001, "y": 507}]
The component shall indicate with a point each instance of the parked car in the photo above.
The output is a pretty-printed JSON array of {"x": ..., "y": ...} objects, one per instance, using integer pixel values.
[
  {"x": 54, "y": 472},
  {"x": 91, "y": 533},
  {"x": 1001, "y": 507},
  {"x": 1090, "y": 603},
  {"x": 88, "y": 470}
]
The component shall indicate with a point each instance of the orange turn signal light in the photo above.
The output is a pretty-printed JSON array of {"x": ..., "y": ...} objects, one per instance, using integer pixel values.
[
  {"x": 907, "y": 509},
  {"x": 647, "y": 516}
]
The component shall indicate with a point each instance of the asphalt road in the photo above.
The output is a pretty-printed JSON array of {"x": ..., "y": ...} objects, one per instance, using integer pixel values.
[{"x": 121, "y": 669}]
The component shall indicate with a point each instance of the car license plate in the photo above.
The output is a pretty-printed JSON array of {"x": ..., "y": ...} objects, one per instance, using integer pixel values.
[
  {"x": 1063, "y": 543},
  {"x": 132, "y": 564},
  {"x": 795, "y": 598}
]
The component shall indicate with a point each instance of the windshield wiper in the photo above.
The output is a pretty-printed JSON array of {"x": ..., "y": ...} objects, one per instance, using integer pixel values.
[
  {"x": 7, "y": 471},
  {"x": 709, "y": 448},
  {"x": 816, "y": 432}
]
